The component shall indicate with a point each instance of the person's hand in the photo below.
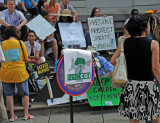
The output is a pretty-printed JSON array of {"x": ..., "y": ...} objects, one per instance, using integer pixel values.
[
  {"x": 18, "y": 27},
  {"x": 104, "y": 16},
  {"x": 75, "y": 19},
  {"x": 36, "y": 58}
]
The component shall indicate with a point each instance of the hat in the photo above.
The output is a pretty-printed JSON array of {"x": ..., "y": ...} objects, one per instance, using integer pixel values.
[
  {"x": 151, "y": 11},
  {"x": 92, "y": 49},
  {"x": 66, "y": 12}
]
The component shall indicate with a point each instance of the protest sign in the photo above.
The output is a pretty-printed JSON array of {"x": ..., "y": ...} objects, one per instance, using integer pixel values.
[
  {"x": 110, "y": 95},
  {"x": 72, "y": 34},
  {"x": 102, "y": 33},
  {"x": 41, "y": 27}
]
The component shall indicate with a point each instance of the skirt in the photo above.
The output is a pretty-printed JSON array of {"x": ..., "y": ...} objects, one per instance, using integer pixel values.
[{"x": 140, "y": 100}]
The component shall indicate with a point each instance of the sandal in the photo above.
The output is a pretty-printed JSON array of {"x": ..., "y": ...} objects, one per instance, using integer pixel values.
[
  {"x": 28, "y": 117},
  {"x": 12, "y": 119}
]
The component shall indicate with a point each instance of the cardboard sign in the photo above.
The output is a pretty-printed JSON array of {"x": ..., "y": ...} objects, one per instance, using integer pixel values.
[
  {"x": 110, "y": 95},
  {"x": 102, "y": 33}
]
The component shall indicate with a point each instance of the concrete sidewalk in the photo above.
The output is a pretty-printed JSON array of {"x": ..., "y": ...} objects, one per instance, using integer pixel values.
[{"x": 110, "y": 116}]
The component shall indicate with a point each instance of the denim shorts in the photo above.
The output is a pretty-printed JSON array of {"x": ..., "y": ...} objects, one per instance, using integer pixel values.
[{"x": 22, "y": 87}]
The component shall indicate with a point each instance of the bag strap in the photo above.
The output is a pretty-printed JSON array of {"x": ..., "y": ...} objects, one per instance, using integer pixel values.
[
  {"x": 122, "y": 49},
  {"x": 21, "y": 47}
]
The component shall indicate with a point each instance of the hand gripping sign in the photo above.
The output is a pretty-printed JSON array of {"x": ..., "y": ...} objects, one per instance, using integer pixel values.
[{"x": 78, "y": 79}]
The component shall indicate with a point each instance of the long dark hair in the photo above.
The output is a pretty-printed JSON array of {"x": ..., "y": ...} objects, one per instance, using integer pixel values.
[
  {"x": 10, "y": 31},
  {"x": 93, "y": 11}
]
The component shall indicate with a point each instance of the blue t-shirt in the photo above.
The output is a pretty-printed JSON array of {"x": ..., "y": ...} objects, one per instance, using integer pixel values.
[
  {"x": 28, "y": 3},
  {"x": 105, "y": 65}
]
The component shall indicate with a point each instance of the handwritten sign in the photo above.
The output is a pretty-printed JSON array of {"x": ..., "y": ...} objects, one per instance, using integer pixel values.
[
  {"x": 72, "y": 34},
  {"x": 110, "y": 95},
  {"x": 41, "y": 27},
  {"x": 102, "y": 33}
]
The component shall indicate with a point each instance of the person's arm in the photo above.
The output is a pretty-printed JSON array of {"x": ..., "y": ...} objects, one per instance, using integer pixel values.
[
  {"x": 116, "y": 55},
  {"x": 2, "y": 20},
  {"x": 75, "y": 16},
  {"x": 34, "y": 3},
  {"x": 36, "y": 57},
  {"x": 105, "y": 64},
  {"x": 21, "y": 24},
  {"x": 155, "y": 59},
  {"x": 25, "y": 58}
]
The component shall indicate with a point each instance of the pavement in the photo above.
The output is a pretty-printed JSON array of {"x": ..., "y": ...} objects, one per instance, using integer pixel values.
[{"x": 110, "y": 116}]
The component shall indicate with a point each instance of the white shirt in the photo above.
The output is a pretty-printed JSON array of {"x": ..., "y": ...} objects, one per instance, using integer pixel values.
[{"x": 36, "y": 47}]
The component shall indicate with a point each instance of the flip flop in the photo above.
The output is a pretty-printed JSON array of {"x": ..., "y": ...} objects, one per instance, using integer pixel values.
[
  {"x": 12, "y": 119},
  {"x": 28, "y": 117}
]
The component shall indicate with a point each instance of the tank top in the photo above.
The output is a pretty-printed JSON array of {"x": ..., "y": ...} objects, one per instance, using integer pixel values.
[{"x": 138, "y": 58}]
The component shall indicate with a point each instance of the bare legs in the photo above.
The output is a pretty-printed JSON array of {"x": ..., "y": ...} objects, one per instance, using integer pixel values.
[
  {"x": 25, "y": 103},
  {"x": 10, "y": 105}
]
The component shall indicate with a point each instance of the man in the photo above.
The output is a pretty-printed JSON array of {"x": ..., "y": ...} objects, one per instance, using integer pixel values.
[
  {"x": 12, "y": 17},
  {"x": 65, "y": 5},
  {"x": 30, "y": 6}
]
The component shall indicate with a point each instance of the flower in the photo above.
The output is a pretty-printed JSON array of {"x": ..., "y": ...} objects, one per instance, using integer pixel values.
[
  {"x": 132, "y": 110},
  {"x": 142, "y": 108}
]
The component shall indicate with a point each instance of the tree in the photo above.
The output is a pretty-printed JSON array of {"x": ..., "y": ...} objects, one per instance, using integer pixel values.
[{"x": 79, "y": 62}]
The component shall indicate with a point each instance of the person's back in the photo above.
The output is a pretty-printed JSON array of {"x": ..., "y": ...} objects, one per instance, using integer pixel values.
[{"x": 138, "y": 57}]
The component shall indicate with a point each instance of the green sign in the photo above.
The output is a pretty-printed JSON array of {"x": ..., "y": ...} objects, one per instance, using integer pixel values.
[{"x": 110, "y": 95}]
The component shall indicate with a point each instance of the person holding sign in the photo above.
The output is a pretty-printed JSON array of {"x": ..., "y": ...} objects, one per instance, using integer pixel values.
[
  {"x": 13, "y": 71},
  {"x": 33, "y": 48},
  {"x": 140, "y": 97},
  {"x": 95, "y": 13},
  {"x": 50, "y": 41},
  {"x": 54, "y": 8}
]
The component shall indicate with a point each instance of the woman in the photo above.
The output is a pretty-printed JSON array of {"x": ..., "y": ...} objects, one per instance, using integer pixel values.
[
  {"x": 95, "y": 13},
  {"x": 33, "y": 47},
  {"x": 140, "y": 97},
  {"x": 13, "y": 71},
  {"x": 54, "y": 8},
  {"x": 50, "y": 42}
]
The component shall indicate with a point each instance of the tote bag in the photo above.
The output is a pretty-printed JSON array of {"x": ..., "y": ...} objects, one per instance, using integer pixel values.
[{"x": 119, "y": 75}]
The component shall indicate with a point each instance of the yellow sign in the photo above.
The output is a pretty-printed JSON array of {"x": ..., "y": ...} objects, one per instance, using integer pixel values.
[{"x": 42, "y": 68}]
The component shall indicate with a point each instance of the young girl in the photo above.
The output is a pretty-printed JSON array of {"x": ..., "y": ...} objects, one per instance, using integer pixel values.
[{"x": 33, "y": 47}]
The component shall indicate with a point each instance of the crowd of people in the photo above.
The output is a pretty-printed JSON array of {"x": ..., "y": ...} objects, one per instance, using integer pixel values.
[{"x": 139, "y": 99}]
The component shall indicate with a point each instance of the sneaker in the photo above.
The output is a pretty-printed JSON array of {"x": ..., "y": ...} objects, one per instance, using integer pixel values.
[
  {"x": 28, "y": 117},
  {"x": 12, "y": 119}
]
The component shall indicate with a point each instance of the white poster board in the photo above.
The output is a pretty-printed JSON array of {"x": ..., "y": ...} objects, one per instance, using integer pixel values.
[
  {"x": 72, "y": 34},
  {"x": 41, "y": 27},
  {"x": 77, "y": 66},
  {"x": 102, "y": 33}
]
